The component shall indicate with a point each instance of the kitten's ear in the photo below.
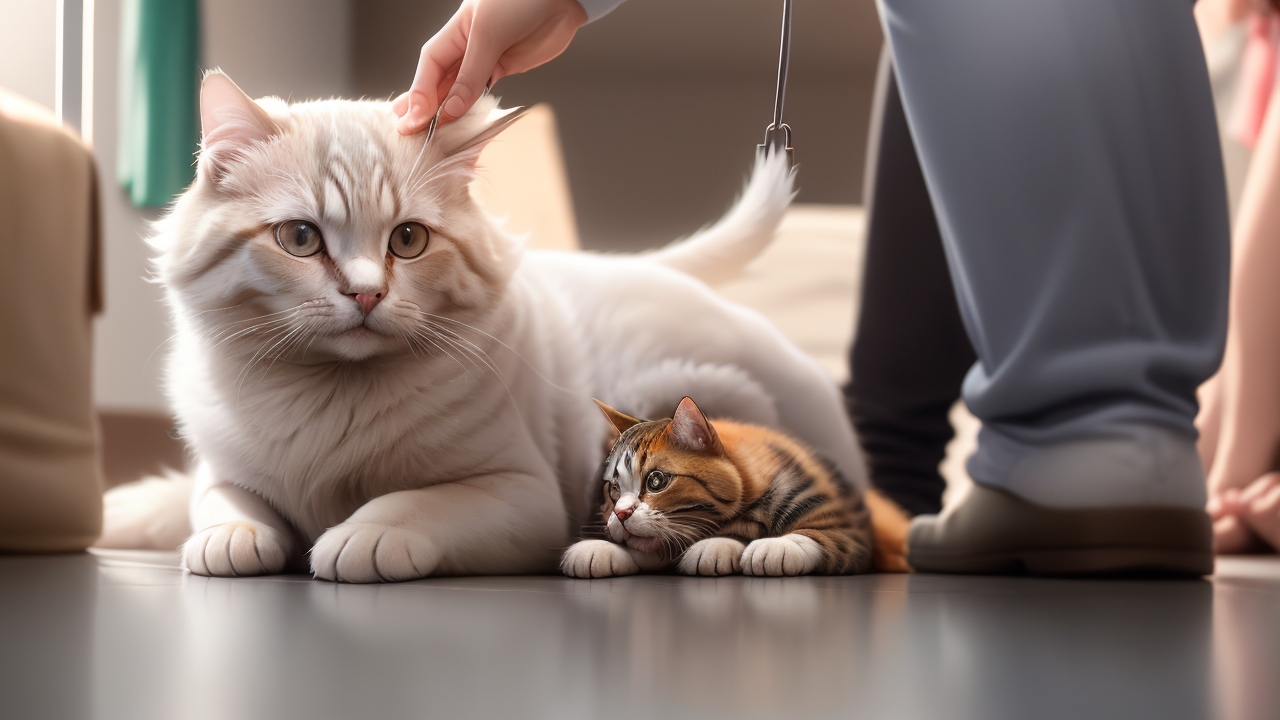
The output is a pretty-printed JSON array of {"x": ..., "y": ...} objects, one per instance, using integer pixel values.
[
  {"x": 690, "y": 430},
  {"x": 619, "y": 421},
  {"x": 230, "y": 123}
]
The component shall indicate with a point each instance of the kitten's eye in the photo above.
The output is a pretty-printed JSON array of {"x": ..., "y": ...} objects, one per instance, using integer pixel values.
[
  {"x": 299, "y": 238},
  {"x": 408, "y": 240},
  {"x": 611, "y": 489},
  {"x": 656, "y": 481}
]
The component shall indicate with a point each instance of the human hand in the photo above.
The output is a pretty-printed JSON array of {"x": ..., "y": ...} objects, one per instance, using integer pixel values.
[
  {"x": 484, "y": 41},
  {"x": 1247, "y": 519}
]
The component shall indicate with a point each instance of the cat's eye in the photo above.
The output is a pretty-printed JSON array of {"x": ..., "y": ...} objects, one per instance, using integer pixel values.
[
  {"x": 656, "y": 481},
  {"x": 611, "y": 489},
  {"x": 408, "y": 240},
  {"x": 299, "y": 238}
]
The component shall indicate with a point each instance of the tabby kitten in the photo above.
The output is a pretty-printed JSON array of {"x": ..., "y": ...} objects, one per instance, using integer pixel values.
[{"x": 719, "y": 498}]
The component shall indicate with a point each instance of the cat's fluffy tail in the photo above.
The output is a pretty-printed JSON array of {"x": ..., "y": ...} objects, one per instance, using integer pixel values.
[
  {"x": 148, "y": 514},
  {"x": 720, "y": 252}
]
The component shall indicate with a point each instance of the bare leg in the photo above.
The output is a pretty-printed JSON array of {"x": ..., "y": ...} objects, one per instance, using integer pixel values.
[
  {"x": 1209, "y": 421},
  {"x": 1250, "y": 378}
]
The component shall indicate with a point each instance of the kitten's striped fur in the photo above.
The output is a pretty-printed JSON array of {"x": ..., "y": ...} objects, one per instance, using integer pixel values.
[{"x": 694, "y": 493}]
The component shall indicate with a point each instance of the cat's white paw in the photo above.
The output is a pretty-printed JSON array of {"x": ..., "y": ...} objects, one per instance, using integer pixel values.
[
  {"x": 235, "y": 549},
  {"x": 791, "y": 554},
  {"x": 596, "y": 559},
  {"x": 713, "y": 556},
  {"x": 362, "y": 552}
]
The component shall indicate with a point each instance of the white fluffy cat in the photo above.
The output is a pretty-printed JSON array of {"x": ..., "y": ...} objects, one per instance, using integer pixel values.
[{"x": 368, "y": 369}]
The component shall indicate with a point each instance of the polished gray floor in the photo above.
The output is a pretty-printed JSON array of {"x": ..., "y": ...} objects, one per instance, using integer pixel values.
[{"x": 128, "y": 635}]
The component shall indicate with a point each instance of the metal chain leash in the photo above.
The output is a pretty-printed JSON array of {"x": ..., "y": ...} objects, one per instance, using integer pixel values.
[{"x": 778, "y": 135}]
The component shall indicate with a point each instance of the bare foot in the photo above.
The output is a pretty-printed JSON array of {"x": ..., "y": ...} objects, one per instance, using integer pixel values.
[
  {"x": 1259, "y": 507},
  {"x": 1231, "y": 536}
]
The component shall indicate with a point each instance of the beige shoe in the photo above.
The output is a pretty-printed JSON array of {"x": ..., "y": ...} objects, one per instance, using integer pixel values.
[{"x": 991, "y": 531}]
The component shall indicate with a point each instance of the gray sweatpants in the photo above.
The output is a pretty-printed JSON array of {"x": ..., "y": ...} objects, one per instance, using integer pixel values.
[{"x": 1071, "y": 153}]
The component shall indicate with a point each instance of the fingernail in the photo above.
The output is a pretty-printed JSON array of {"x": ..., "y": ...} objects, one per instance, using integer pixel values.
[{"x": 454, "y": 106}]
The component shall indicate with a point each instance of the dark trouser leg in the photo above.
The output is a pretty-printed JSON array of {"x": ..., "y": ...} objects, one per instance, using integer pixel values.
[
  {"x": 1071, "y": 153},
  {"x": 910, "y": 353}
]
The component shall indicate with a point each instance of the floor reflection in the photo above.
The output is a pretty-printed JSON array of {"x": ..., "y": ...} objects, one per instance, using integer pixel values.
[
  {"x": 46, "y": 633},
  {"x": 134, "y": 637},
  {"x": 1246, "y": 639}
]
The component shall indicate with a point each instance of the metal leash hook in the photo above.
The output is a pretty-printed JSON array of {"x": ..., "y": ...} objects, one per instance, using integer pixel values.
[{"x": 778, "y": 135}]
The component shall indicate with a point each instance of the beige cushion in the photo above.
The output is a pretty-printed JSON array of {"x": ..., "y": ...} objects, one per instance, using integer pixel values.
[{"x": 50, "y": 491}]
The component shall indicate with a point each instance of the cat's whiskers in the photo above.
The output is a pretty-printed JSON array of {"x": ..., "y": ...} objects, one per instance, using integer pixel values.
[
  {"x": 302, "y": 332},
  {"x": 226, "y": 331},
  {"x": 229, "y": 307},
  {"x": 686, "y": 531},
  {"x": 458, "y": 341},
  {"x": 258, "y": 328},
  {"x": 473, "y": 328},
  {"x": 478, "y": 357},
  {"x": 260, "y": 354},
  {"x": 310, "y": 308},
  {"x": 421, "y": 334},
  {"x": 217, "y": 328}
]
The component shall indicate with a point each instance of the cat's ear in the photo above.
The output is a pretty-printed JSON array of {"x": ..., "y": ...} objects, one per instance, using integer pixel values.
[
  {"x": 619, "y": 421},
  {"x": 482, "y": 123},
  {"x": 690, "y": 430},
  {"x": 230, "y": 123}
]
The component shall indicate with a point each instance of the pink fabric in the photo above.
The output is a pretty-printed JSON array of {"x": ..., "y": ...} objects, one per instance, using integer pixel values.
[{"x": 1257, "y": 78}]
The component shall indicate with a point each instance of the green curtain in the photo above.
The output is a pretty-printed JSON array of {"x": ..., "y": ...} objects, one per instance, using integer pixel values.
[{"x": 159, "y": 98}]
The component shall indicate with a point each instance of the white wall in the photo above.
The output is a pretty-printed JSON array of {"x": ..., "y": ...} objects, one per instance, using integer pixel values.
[
  {"x": 291, "y": 48},
  {"x": 28, "y": 47}
]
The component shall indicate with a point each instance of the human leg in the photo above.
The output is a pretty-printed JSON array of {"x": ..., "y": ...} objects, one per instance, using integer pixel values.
[
  {"x": 1071, "y": 153},
  {"x": 1248, "y": 389},
  {"x": 910, "y": 351}
]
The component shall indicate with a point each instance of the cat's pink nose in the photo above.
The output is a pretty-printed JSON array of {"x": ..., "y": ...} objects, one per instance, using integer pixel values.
[
  {"x": 624, "y": 513},
  {"x": 368, "y": 301}
]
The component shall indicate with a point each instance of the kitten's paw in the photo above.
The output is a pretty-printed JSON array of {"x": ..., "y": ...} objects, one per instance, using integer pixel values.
[
  {"x": 597, "y": 558},
  {"x": 359, "y": 552},
  {"x": 713, "y": 556},
  {"x": 234, "y": 549},
  {"x": 791, "y": 554}
]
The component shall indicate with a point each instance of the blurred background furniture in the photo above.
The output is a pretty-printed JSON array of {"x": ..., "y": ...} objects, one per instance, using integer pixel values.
[{"x": 50, "y": 287}]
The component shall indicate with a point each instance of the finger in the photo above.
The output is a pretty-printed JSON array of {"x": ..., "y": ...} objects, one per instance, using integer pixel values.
[
  {"x": 1230, "y": 501},
  {"x": 1267, "y": 504},
  {"x": 438, "y": 55},
  {"x": 477, "y": 67},
  {"x": 400, "y": 105},
  {"x": 1215, "y": 507},
  {"x": 1258, "y": 487}
]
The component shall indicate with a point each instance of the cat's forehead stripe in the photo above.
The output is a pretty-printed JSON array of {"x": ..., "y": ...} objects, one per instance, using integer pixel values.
[
  {"x": 336, "y": 205},
  {"x": 354, "y": 175}
]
